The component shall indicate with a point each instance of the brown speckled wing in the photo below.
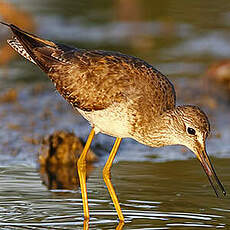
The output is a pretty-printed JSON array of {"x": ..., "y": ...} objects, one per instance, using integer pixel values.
[{"x": 94, "y": 80}]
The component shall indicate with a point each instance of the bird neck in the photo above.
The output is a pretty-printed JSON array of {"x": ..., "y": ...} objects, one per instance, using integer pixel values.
[{"x": 162, "y": 130}]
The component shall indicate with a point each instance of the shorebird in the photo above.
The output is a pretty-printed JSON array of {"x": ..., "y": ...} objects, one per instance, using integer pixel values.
[{"x": 121, "y": 96}]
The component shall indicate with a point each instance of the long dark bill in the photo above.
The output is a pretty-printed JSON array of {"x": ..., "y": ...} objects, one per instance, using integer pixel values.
[{"x": 210, "y": 172}]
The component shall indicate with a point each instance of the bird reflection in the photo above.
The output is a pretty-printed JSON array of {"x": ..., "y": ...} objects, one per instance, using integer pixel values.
[
  {"x": 58, "y": 161},
  {"x": 86, "y": 225},
  {"x": 118, "y": 227}
]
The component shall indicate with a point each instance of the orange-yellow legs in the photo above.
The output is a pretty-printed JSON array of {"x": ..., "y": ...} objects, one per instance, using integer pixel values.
[
  {"x": 81, "y": 165},
  {"x": 119, "y": 226},
  {"x": 107, "y": 178}
]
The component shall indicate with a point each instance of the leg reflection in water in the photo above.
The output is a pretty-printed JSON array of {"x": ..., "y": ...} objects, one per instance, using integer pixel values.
[{"x": 119, "y": 226}]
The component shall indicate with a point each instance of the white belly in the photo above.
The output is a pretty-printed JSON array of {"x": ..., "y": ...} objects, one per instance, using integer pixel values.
[{"x": 112, "y": 121}]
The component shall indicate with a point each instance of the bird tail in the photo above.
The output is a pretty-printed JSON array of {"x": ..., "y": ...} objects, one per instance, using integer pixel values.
[{"x": 41, "y": 52}]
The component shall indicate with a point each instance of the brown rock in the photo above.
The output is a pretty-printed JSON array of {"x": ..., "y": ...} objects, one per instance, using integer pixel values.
[
  {"x": 58, "y": 160},
  {"x": 63, "y": 148}
]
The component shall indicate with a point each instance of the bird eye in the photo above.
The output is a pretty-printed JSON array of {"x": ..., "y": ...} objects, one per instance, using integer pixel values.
[{"x": 191, "y": 131}]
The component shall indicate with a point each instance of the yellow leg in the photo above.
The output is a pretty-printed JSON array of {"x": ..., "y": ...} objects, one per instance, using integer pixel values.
[
  {"x": 107, "y": 179},
  {"x": 81, "y": 166},
  {"x": 120, "y": 225},
  {"x": 86, "y": 225}
]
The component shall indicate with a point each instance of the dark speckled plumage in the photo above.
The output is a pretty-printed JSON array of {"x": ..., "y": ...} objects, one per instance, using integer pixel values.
[{"x": 93, "y": 80}]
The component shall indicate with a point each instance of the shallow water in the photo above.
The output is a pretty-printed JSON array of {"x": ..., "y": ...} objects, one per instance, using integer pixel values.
[
  {"x": 157, "y": 188},
  {"x": 161, "y": 195}
]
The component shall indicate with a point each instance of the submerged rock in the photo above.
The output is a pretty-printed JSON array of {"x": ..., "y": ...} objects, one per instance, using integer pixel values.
[
  {"x": 63, "y": 148},
  {"x": 58, "y": 160}
]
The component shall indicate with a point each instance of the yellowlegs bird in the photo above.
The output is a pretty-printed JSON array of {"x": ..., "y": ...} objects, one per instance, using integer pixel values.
[{"x": 121, "y": 96}]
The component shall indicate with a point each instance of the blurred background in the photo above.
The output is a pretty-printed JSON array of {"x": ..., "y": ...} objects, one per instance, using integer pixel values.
[{"x": 186, "y": 40}]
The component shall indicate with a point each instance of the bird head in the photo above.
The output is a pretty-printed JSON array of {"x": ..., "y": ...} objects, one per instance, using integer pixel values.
[{"x": 191, "y": 129}]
